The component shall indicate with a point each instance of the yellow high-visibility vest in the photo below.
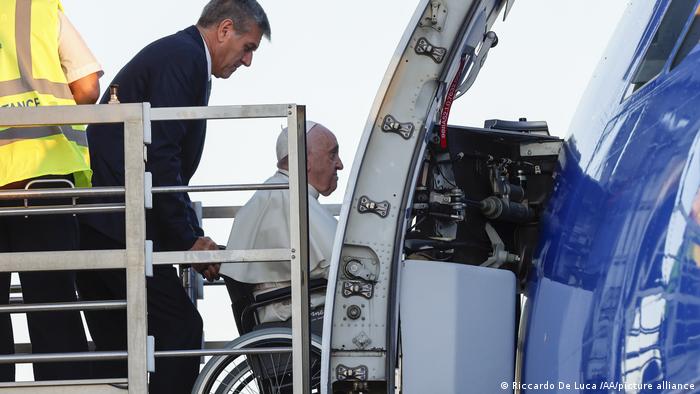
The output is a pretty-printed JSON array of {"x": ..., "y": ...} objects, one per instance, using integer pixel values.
[{"x": 31, "y": 75}]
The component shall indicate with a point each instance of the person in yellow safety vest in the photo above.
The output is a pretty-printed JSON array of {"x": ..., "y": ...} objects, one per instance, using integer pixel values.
[{"x": 43, "y": 61}]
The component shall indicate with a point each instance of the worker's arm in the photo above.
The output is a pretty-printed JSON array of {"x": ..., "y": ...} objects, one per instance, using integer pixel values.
[
  {"x": 78, "y": 63},
  {"x": 86, "y": 90}
]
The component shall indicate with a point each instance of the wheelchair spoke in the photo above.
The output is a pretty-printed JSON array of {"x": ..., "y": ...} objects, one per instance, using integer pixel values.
[
  {"x": 257, "y": 374},
  {"x": 286, "y": 366},
  {"x": 274, "y": 372}
]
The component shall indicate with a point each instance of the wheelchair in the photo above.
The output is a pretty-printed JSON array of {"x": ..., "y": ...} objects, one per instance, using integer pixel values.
[{"x": 269, "y": 373}]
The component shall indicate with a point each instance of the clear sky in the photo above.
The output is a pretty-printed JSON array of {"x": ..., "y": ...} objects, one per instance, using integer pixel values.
[{"x": 331, "y": 56}]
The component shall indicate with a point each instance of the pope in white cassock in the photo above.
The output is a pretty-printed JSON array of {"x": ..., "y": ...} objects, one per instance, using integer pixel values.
[{"x": 263, "y": 223}]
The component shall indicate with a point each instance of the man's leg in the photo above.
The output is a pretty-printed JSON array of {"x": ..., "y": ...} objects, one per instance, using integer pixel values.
[
  {"x": 51, "y": 332},
  {"x": 107, "y": 328},
  {"x": 175, "y": 323},
  {"x": 172, "y": 319}
]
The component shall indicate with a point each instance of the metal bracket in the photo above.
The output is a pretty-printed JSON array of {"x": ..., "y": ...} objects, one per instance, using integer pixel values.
[
  {"x": 345, "y": 373},
  {"x": 420, "y": 206},
  {"x": 531, "y": 149},
  {"x": 198, "y": 283},
  {"x": 354, "y": 312},
  {"x": 490, "y": 40},
  {"x": 150, "y": 353},
  {"x": 148, "y": 190},
  {"x": 362, "y": 340},
  {"x": 357, "y": 288},
  {"x": 148, "y": 253},
  {"x": 499, "y": 254},
  {"x": 361, "y": 268},
  {"x": 436, "y": 17},
  {"x": 424, "y": 47},
  {"x": 147, "y": 135},
  {"x": 69, "y": 184},
  {"x": 454, "y": 199},
  {"x": 368, "y": 206},
  {"x": 391, "y": 125}
]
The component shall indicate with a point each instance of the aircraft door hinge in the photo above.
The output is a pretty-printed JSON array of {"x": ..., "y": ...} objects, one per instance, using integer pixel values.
[
  {"x": 345, "y": 373},
  {"x": 368, "y": 206},
  {"x": 360, "y": 268},
  {"x": 424, "y": 47},
  {"x": 391, "y": 125},
  {"x": 357, "y": 288},
  {"x": 436, "y": 15}
]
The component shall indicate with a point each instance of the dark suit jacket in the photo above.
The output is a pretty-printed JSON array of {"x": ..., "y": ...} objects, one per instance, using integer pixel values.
[{"x": 170, "y": 72}]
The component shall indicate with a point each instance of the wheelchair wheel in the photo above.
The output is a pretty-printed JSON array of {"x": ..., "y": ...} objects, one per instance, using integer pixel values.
[{"x": 264, "y": 373}]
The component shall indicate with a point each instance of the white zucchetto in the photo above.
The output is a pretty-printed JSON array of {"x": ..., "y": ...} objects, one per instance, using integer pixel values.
[{"x": 283, "y": 140}]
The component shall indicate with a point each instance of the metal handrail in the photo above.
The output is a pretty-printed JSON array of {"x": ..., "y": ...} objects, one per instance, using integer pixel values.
[
  {"x": 62, "y": 383},
  {"x": 105, "y": 191},
  {"x": 27, "y": 347},
  {"x": 137, "y": 191},
  {"x": 63, "y": 260},
  {"x": 221, "y": 256},
  {"x": 101, "y": 191},
  {"x": 63, "y": 306},
  {"x": 209, "y": 212},
  {"x": 222, "y": 352},
  {"x": 121, "y": 355},
  {"x": 62, "y": 209},
  {"x": 58, "y": 357},
  {"x": 220, "y": 188},
  {"x": 230, "y": 211}
]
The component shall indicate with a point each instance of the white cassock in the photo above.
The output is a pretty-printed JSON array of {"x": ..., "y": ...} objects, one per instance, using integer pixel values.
[{"x": 263, "y": 223}]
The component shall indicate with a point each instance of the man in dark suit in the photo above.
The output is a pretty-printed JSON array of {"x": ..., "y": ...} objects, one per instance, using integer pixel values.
[{"x": 174, "y": 71}]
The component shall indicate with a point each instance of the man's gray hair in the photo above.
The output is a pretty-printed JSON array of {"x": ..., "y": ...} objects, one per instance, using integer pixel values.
[{"x": 241, "y": 12}]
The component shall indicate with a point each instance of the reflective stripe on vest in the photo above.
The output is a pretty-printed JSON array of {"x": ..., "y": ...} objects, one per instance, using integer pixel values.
[
  {"x": 31, "y": 75},
  {"x": 8, "y": 136}
]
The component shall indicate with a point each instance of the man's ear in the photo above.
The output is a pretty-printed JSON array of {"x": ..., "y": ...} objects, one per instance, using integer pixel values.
[{"x": 224, "y": 29}]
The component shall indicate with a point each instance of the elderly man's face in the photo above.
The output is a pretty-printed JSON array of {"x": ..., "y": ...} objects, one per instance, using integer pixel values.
[
  {"x": 235, "y": 49},
  {"x": 322, "y": 160}
]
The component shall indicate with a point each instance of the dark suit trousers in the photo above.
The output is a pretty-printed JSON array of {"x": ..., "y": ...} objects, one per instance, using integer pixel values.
[
  {"x": 172, "y": 319},
  {"x": 49, "y": 332}
]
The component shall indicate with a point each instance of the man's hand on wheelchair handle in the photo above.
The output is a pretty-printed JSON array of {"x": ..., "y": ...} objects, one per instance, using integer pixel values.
[{"x": 208, "y": 271}]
